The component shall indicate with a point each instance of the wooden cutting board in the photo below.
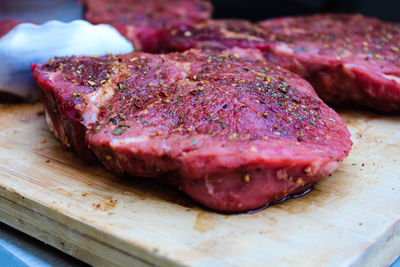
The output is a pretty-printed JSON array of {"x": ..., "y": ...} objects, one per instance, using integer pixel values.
[{"x": 350, "y": 218}]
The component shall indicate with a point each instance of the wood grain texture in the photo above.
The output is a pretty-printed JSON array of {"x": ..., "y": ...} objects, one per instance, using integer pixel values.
[{"x": 350, "y": 218}]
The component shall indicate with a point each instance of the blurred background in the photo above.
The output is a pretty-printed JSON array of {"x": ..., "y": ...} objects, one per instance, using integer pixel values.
[
  {"x": 40, "y": 10},
  {"x": 66, "y": 10}
]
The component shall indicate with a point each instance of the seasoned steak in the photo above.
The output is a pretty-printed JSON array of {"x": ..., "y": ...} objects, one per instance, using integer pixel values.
[
  {"x": 350, "y": 59},
  {"x": 214, "y": 34},
  {"x": 143, "y": 21},
  {"x": 227, "y": 128}
]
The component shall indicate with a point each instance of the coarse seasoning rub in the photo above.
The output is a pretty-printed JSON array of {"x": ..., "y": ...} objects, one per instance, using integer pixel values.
[{"x": 349, "y": 59}]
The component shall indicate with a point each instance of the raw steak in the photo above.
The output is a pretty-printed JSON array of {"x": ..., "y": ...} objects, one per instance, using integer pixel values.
[
  {"x": 230, "y": 130},
  {"x": 143, "y": 21},
  {"x": 215, "y": 34},
  {"x": 350, "y": 59}
]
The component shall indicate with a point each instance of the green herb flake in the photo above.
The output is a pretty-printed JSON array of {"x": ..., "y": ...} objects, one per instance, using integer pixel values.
[
  {"x": 115, "y": 120},
  {"x": 316, "y": 99},
  {"x": 118, "y": 131}
]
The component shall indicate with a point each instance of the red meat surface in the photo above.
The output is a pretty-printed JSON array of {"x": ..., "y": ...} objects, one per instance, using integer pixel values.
[
  {"x": 227, "y": 128},
  {"x": 214, "y": 34},
  {"x": 349, "y": 59}
]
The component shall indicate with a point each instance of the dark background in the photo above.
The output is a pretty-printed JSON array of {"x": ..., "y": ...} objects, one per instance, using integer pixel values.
[
  {"x": 388, "y": 10},
  {"x": 43, "y": 10}
]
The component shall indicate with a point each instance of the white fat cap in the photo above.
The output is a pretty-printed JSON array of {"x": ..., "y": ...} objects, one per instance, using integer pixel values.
[{"x": 29, "y": 43}]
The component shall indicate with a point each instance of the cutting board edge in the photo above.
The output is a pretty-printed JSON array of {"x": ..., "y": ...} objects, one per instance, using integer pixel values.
[
  {"x": 382, "y": 251},
  {"x": 17, "y": 211}
]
